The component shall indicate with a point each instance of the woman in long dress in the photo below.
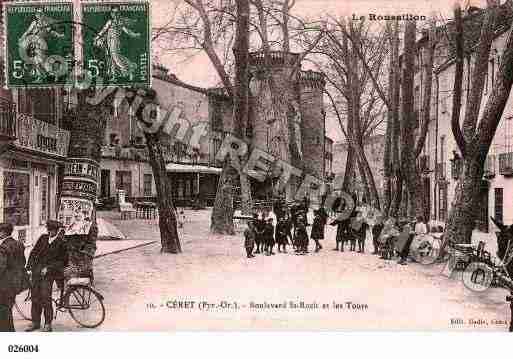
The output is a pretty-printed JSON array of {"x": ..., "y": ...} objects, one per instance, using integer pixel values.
[{"x": 109, "y": 38}]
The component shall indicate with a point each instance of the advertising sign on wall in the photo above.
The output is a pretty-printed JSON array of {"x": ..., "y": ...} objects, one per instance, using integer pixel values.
[{"x": 75, "y": 214}]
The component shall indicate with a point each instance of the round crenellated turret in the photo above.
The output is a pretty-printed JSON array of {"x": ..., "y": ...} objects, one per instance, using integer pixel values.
[
  {"x": 312, "y": 79},
  {"x": 311, "y": 87},
  {"x": 270, "y": 123},
  {"x": 288, "y": 120},
  {"x": 257, "y": 59}
]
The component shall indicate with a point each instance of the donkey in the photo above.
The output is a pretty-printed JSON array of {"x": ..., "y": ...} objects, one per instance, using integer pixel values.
[
  {"x": 504, "y": 245},
  {"x": 504, "y": 252}
]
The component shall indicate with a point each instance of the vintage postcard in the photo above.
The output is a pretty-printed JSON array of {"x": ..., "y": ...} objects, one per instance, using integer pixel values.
[{"x": 256, "y": 165}]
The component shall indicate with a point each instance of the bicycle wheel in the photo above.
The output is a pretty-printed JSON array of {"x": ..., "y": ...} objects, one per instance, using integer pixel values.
[
  {"x": 23, "y": 304},
  {"x": 85, "y": 306}
]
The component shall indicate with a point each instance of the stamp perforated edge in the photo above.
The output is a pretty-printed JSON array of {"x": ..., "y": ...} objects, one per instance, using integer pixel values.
[
  {"x": 4, "y": 5},
  {"x": 149, "y": 30}
]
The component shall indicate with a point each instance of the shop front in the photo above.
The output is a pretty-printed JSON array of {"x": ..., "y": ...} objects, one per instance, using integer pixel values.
[{"x": 29, "y": 177}]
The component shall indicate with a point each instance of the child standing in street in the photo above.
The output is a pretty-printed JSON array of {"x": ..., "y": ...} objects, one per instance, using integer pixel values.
[
  {"x": 282, "y": 234},
  {"x": 317, "y": 233},
  {"x": 269, "y": 237},
  {"x": 249, "y": 239},
  {"x": 301, "y": 236}
]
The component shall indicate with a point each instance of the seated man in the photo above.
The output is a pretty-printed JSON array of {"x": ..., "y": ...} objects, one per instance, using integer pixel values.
[{"x": 46, "y": 262}]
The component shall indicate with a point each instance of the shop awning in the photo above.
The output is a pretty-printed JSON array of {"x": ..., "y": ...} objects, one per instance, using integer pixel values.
[{"x": 184, "y": 168}]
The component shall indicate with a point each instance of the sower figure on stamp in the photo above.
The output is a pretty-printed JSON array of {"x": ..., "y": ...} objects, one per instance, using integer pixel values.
[
  {"x": 46, "y": 262},
  {"x": 249, "y": 239},
  {"x": 34, "y": 41},
  {"x": 12, "y": 268},
  {"x": 109, "y": 38}
]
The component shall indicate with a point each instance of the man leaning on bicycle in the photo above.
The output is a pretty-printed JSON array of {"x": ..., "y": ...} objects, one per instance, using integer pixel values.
[{"x": 46, "y": 264}]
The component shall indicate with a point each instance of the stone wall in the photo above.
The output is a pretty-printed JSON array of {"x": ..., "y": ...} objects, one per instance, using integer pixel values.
[{"x": 311, "y": 85}]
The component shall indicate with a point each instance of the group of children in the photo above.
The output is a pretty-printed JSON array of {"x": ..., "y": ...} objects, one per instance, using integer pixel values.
[
  {"x": 390, "y": 238},
  {"x": 351, "y": 230},
  {"x": 261, "y": 235}
]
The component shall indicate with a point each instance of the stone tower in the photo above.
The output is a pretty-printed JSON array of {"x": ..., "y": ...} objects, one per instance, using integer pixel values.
[
  {"x": 311, "y": 86},
  {"x": 270, "y": 123},
  {"x": 287, "y": 121}
]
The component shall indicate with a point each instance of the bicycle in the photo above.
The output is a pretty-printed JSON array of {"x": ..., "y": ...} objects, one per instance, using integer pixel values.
[{"x": 79, "y": 298}]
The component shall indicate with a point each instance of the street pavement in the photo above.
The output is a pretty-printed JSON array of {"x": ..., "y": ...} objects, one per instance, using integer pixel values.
[{"x": 213, "y": 286}]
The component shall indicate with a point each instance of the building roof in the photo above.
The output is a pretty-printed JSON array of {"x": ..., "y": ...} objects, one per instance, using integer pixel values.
[{"x": 162, "y": 73}]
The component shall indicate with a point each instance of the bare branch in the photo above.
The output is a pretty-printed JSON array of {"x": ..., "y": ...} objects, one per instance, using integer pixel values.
[{"x": 458, "y": 82}]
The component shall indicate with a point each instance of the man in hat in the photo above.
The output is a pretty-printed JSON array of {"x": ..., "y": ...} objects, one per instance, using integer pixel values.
[
  {"x": 46, "y": 262},
  {"x": 405, "y": 240},
  {"x": 249, "y": 239},
  {"x": 12, "y": 268},
  {"x": 269, "y": 237}
]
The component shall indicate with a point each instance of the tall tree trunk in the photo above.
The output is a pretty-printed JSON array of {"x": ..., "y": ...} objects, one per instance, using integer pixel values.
[
  {"x": 285, "y": 26},
  {"x": 397, "y": 198},
  {"x": 169, "y": 239},
  {"x": 387, "y": 157},
  {"x": 241, "y": 100},
  {"x": 350, "y": 167},
  {"x": 365, "y": 179},
  {"x": 222, "y": 214},
  {"x": 87, "y": 130},
  {"x": 409, "y": 167},
  {"x": 464, "y": 209},
  {"x": 245, "y": 192}
]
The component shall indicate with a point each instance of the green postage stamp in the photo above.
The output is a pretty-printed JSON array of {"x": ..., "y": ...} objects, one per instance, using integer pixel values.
[
  {"x": 116, "y": 42},
  {"x": 39, "y": 43}
]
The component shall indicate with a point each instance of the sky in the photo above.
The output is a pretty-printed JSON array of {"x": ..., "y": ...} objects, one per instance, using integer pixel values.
[{"x": 199, "y": 71}]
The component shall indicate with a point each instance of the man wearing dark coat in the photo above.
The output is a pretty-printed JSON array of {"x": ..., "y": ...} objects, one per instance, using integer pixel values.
[
  {"x": 249, "y": 239},
  {"x": 12, "y": 265},
  {"x": 376, "y": 232},
  {"x": 259, "y": 225},
  {"x": 46, "y": 262},
  {"x": 269, "y": 237},
  {"x": 301, "y": 235},
  {"x": 282, "y": 233},
  {"x": 317, "y": 233}
]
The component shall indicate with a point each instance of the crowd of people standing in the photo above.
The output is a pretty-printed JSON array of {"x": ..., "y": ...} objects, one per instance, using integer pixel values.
[{"x": 391, "y": 238}]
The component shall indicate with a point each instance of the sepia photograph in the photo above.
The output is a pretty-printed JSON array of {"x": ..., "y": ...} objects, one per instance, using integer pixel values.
[{"x": 255, "y": 166}]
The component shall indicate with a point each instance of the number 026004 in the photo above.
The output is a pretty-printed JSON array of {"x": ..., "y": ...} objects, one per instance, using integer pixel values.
[{"x": 23, "y": 348}]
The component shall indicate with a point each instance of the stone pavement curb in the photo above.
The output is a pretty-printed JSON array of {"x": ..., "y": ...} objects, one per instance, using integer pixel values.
[{"x": 124, "y": 249}]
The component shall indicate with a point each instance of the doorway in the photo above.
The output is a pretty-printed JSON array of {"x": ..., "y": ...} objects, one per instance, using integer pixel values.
[{"x": 105, "y": 184}]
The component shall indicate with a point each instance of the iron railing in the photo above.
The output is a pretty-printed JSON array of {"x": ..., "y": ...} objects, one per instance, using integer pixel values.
[{"x": 506, "y": 164}]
